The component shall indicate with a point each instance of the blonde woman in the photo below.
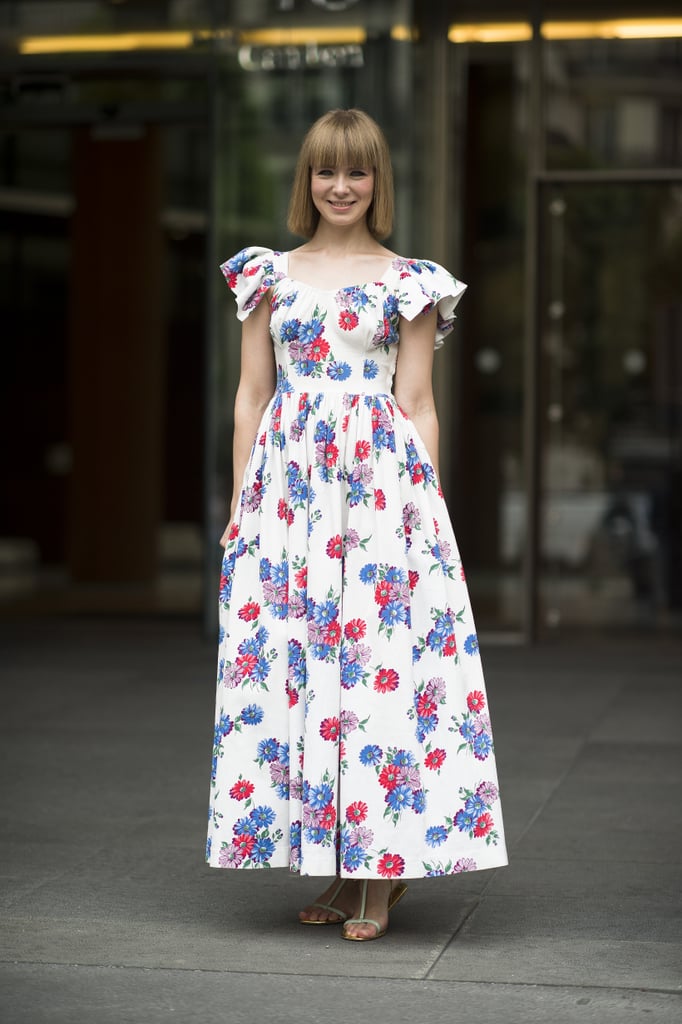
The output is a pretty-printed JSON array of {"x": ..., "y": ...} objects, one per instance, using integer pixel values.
[{"x": 352, "y": 737}]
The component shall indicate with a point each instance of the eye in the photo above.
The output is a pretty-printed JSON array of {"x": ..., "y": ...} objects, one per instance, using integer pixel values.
[
  {"x": 323, "y": 172},
  {"x": 359, "y": 172}
]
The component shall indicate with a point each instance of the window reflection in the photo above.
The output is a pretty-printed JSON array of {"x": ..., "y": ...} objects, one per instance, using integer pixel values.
[{"x": 613, "y": 103}]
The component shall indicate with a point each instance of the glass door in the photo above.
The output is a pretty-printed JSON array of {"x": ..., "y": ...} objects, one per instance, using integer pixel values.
[{"x": 610, "y": 403}]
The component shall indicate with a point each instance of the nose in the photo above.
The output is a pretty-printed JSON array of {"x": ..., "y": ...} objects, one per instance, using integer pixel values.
[{"x": 340, "y": 183}]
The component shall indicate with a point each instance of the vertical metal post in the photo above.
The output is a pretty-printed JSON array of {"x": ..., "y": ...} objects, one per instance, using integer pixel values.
[{"x": 531, "y": 411}]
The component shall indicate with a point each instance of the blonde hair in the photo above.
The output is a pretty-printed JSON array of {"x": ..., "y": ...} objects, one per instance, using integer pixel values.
[{"x": 343, "y": 138}]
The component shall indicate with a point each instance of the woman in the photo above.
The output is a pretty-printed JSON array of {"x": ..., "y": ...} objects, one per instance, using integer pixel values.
[{"x": 351, "y": 732}]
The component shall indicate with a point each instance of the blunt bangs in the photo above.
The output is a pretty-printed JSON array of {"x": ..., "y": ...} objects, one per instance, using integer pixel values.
[{"x": 342, "y": 145}]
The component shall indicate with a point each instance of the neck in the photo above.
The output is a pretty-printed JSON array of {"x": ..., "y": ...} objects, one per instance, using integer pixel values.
[{"x": 343, "y": 240}]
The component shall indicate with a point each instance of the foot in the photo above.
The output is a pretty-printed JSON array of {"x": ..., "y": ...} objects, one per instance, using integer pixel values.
[
  {"x": 376, "y": 908},
  {"x": 345, "y": 901}
]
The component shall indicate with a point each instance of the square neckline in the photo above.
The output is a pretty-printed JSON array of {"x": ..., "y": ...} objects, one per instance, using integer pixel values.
[{"x": 343, "y": 288}]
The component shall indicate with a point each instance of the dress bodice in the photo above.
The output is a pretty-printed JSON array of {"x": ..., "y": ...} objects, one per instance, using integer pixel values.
[{"x": 342, "y": 340}]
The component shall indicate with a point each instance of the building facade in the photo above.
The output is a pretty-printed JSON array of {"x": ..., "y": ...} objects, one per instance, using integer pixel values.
[{"x": 537, "y": 152}]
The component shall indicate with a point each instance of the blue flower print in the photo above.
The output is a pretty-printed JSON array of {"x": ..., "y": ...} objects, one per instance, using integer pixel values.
[
  {"x": 263, "y": 816},
  {"x": 320, "y": 796},
  {"x": 475, "y": 805},
  {"x": 289, "y": 330},
  {"x": 267, "y": 750},
  {"x": 419, "y": 801},
  {"x": 482, "y": 745},
  {"x": 370, "y": 370},
  {"x": 245, "y": 826},
  {"x": 311, "y": 330},
  {"x": 467, "y": 729},
  {"x": 354, "y": 858},
  {"x": 338, "y": 371},
  {"x": 399, "y": 798},
  {"x": 371, "y": 754},
  {"x": 464, "y": 821},
  {"x": 252, "y": 714},
  {"x": 368, "y": 573},
  {"x": 436, "y": 835},
  {"x": 471, "y": 644},
  {"x": 262, "y": 850}
]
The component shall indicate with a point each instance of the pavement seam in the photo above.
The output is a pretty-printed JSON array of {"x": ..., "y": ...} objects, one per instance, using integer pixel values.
[{"x": 345, "y": 977}]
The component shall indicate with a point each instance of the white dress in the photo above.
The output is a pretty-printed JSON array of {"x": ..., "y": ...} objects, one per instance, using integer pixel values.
[{"x": 352, "y": 733}]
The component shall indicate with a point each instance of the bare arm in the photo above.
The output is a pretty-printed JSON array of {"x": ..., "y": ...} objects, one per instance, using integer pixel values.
[
  {"x": 256, "y": 387},
  {"x": 412, "y": 385}
]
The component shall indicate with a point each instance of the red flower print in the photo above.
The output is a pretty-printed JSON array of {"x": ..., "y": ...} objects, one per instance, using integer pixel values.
[
  {"x": 356, "y": 812},
  {"x": 483, "y": 825},
  {"x": 344, "y": 423},
  {"x": 249, "y": 612},
  {"x": 282, "y": 509},
  {"x": 462, "y": 574},
  {"x": 292, "y": 694},
  {"x": 450, "y": 646},
  {"x": 389, "y": 777},
  {"x": 434, "y": 759},
  {"x": 382, "y": 593},
  {"x": 379, "y": 500},
  {"x": 355, "y": 629},
  {"x": 246, "y": 664},
  {"x": 330, "y": 728},
  {"x": 302, "y": 401},
  {"x": 417, "y": 473},
  {"x": 319, "y": 350},
  {"x": 335, "y": 546},
  {"x": 332, "y": 632},
  {"x": 413, "y": 576},
  {"x": 234, "y": 530},
  {"x": 391, "y": 865},
  {"x": 241, "y": 790},
  {"x": 245, "y": 844},
  {"x": 386, "y": 679},
  {"x": 231, "y": 279},
  {"x": 331, "y": 454},
  {"x": 327, "y": 816},
  {"x": 261, "y": 440},
  {"x": 250, "y": 271},
  {"x": 362, "y": 450},
  {"x": 302, "y": 578},
  {"x": 475, "y": 701},
  {"x": 425, "y": 706},
  {"x": 348, "y": 319}
]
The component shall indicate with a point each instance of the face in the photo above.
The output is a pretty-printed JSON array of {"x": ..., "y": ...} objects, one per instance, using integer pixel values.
[{"x": 342, "y": 195}]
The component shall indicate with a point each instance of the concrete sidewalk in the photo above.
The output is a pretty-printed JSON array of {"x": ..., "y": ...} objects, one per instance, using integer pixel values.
[{"x": 109, "y": 914}]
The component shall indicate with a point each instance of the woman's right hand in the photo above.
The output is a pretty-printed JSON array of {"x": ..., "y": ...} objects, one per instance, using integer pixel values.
[{"x": 230, "y": 532}]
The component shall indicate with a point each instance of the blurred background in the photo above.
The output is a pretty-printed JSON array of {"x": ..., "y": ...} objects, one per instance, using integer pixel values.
[{"x": 537, "y": 150}]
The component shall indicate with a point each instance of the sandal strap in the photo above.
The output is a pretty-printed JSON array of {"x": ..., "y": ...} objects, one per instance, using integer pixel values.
[{"x": 333, "y": 910}]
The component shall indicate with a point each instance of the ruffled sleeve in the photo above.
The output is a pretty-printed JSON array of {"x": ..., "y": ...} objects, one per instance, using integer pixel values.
[
  {"x": 249, "y": 274},
  {"x": 423, "y": 285}
]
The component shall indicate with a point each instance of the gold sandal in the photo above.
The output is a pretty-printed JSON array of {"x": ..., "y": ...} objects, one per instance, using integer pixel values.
[
  {"x": 342, "y": 917},
  {"x": 396, "y": 894}
]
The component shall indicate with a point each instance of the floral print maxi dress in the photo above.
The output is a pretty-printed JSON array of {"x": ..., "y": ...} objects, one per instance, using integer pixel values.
[{"x": 352, "y": 733}]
